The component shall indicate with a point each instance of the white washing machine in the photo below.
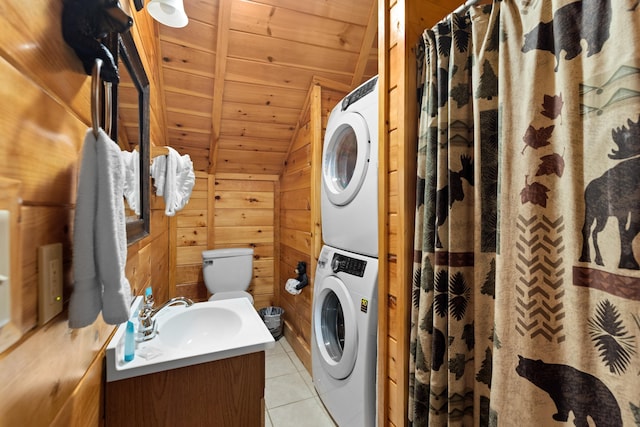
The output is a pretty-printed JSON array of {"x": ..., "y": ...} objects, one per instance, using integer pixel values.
[
  {"x": 349, "y": 195},
  {"x": 344, "y": 336}
]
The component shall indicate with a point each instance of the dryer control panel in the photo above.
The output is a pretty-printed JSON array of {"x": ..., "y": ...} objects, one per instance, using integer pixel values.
[
  {"x": 342, "y": 263},
  {"x": 359, "y": 93}
]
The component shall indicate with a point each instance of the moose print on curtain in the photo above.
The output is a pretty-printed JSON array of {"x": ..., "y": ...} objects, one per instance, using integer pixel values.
[{"x": 526, "y": 284}]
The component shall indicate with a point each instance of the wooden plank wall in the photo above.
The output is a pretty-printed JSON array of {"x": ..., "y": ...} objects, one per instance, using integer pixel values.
[
  {"x": 192, "y": 233},
  {"x": 230, "y": 210},
  {"x": 52, "y": 375},
  {"x": 401, "y": 23},
  {"x": 300, "y": 231},
  {"x": 244, "y": 216},
  {"x": 295, "y": 241}
]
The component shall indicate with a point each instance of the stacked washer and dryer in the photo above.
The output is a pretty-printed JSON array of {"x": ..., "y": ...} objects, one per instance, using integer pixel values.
[{"x": 345, "y": 309}]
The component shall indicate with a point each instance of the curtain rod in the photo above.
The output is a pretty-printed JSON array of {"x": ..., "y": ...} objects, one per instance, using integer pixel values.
[{"x": 466, "y": 5}]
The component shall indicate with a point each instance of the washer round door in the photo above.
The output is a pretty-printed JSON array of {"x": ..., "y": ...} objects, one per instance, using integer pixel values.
[
  {"x": 335, "y": 328},
  {"x": 345, "y": 158}
]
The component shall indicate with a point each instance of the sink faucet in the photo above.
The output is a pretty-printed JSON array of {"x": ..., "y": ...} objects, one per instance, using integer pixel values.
[{"x": 147, "y": 316}]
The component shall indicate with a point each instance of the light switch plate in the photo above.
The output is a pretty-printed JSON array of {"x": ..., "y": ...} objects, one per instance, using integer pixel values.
[{"x": 49, "y": 282}]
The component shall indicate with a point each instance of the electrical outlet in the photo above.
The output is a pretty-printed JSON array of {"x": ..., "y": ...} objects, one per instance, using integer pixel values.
[{"x": 49, "y": 281}]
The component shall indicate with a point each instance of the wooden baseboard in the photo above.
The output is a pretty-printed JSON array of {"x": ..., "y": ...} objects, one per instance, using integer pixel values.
[{"x": 299, "y": 346}]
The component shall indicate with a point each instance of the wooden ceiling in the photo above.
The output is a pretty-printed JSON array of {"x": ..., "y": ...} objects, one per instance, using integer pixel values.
[{"x": 235, "y": 79}]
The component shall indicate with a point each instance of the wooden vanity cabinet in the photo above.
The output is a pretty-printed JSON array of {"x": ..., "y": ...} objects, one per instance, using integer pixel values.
[{"x": 227, "y": 392}]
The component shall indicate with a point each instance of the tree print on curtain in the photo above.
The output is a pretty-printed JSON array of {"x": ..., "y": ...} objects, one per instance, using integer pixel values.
[
  {"x": 454, "y": 274},
  {"x": 526, "y": 290}
]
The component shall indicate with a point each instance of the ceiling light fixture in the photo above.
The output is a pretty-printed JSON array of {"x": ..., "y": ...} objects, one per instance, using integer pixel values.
[{"x": 167, "y": 12}]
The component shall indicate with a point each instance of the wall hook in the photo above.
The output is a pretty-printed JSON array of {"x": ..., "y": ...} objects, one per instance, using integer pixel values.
[{"x": 85, "y": 23}]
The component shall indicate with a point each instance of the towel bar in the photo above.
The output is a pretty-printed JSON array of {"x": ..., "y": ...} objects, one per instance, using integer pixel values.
[
  {"x": 156, "y": 150},
  {"x": 95, "y": 100}
]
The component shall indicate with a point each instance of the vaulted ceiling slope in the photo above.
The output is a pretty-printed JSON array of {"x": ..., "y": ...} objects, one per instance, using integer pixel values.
[{"x": 235, "y": 79}]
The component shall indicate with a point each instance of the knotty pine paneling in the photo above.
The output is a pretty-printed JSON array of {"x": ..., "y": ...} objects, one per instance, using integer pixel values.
[
  {"x": 229, "y": 217},
  {"x": 188, "y": 59},
  {"x": 248, "y": 93},
  {"x": 240, "y": 128},
  {"x": 189, "y": 240},
  {"x": 257, "y": 198},
  {"x": 296, "y": 180},
  {"x": 192, "y": 218},
  {"x": 191, "y": 138},
  {"x": 181, "y": 82},
  {"x": 52, "y": 375},
  {"x": 183, "y": 101},
  {"x": 400, "y": 24},
  {"x": 242, "y": 161},
  {"x": 353, "y": 11},
  {"x": 258, "y": 113},
  {"x": 256, "y": 144},
  {"x": 295, "y": 241},
  {"x": 277, "y": 75},
  {"x": 290, "y": 24},
  {"x": 289, "y": 53},
  {"x": 299, "y": 233},
  {"x": 297, "y": 199},
  {"x": 196, "y": 35},
  {"x": 192, "y": 236}
]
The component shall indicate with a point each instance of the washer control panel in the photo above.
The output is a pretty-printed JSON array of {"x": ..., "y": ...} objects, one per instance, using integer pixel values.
[{"x": 343, "y": 263}]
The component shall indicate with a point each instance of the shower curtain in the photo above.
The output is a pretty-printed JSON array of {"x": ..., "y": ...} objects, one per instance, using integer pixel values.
[{"x": 526, "y": 287}]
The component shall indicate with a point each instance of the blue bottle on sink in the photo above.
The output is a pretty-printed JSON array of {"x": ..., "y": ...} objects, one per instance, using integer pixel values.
[{"x": 129, "y": 342}]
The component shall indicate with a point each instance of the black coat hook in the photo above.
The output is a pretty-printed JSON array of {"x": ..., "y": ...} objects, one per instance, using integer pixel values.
[{"x": 85, "y": 23}]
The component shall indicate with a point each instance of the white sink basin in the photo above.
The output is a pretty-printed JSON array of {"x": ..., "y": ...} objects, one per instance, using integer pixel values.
[
  {"x": 198, "y": 326},
  {"x": 205, "y": 332}
]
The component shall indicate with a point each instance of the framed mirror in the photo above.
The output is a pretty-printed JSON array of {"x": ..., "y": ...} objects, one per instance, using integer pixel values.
[{"x": 130, "y": 125}]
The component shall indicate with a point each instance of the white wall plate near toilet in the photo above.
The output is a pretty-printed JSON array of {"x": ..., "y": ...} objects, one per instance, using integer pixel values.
[{"x": 5, "y": 274}]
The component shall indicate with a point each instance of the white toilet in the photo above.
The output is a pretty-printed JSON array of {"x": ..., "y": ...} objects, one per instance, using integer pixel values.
[{"x": 227, "y": 272}]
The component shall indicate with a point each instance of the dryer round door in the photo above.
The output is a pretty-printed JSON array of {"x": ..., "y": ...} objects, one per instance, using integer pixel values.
[
  {"x": 345, "y": 158},
  {"x": 335, "y": 328}
]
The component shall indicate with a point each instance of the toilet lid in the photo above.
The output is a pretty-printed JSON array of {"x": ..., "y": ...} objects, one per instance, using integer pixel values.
[{"x": 231, "y": 295}]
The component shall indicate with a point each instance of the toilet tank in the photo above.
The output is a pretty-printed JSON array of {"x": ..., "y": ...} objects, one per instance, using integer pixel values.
[{"x": 227, "y": 270}]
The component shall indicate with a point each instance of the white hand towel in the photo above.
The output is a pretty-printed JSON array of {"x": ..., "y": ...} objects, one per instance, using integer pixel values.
[
  {"x": 158, "y": 171},
  {"x": 100, "y": 237},
  {"x": 174, "y": 178},
  {"x": 111, "y": 233},
  {"x": 86, "y": 298},
  {"x": 131, "y": 160}
]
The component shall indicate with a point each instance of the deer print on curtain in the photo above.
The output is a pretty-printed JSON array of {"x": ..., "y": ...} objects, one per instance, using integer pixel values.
[{"x": 526, "y": 290}]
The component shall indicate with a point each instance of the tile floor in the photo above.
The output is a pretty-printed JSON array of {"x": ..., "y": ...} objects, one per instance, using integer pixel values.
[{"x": 290, "y": 398}]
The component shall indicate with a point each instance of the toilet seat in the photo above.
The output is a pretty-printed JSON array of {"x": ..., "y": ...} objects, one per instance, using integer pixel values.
[{"x": 231, "y": 295}]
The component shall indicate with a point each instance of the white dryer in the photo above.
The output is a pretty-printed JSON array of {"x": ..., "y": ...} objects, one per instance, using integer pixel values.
[
  {"x": 344, "y": 336},
  {"x": 349, "y": 195}
]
